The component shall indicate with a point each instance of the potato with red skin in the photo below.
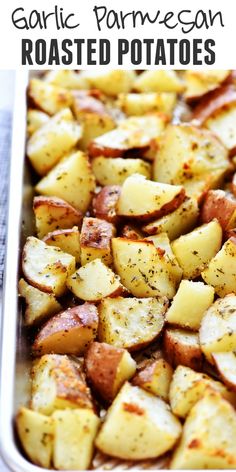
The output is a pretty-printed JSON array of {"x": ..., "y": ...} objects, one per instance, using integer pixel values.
[
  {"x": 69, "y": 332},
  {"x": 144, "y": 199},
  {"x": 136, "y": 133},
  {"x": 182, "y": 347},
  {"x": 107, "y": 368},
  {"x": 95, "y": 240},
  {"x": 155, "y": 378},
  {"x": 93, "y": 115},
  {"x": 64, "y": 381},
  {"x": 221, "y": 205},
  {"x": 53, "y": 213},
  {"x": 213, "y": 102},
  {"x": 68, "y": 240},
  {"x": 104, "y": 203}
]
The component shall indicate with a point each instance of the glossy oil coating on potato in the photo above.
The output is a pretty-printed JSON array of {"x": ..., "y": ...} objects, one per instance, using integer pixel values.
[{"x": 129, "y": 288}]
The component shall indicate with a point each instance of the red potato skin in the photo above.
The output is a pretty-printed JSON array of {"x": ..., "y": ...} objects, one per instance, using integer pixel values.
[
  {"x": 167, "y": 208},
  {"x": 104, "y": 203},
  {"x": 82, "y": 315},
  {"x": 96, "y": 233},
  {"x": 178, "y": 354},
  {"x": 213, "y": 102},
  {"x": 54, "y": 202},
  {"x": 218, "y": 204},
  {"x": 101, "y": 365},
  {"x": 51, "y": 236},
  {"x": 96, "y": 150}
]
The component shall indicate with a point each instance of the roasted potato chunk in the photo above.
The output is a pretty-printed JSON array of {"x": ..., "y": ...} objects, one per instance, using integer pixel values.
[
  {"x": 137, "y": 104},
  {"x": 58, "y": 383},
  {"x": 176, "y": 223},
  {"x": 68, "y": 79},
  {"x": 110, "y": 171},
  {"x": 95, "y": 281},
  {"x": 194, "y": 250},
  {"x": 220, "y": 272},
  {"x": 226, "y": 365},
  {"x": 222, "y": 123},
  {"x": 150, "y": 427},
  {"x": 208, "y": 439},
  {"x": 36, "y": 434},
  {"x": 46, "y": 267},
  {"x": 221, "y": 205},
  {"x": 155, "y": 378},
  {"x": 107, "y": 368},
  {"x": 72, "y": 180},
  {"x": 93, "y": 115},
  {"x": 68, "y": 240},
  {"x": 104, "y": 203},
  {"x": 182, "y": 347},
  {"x": 54, "y": 213},
  {"x": 111, "y": 82},
  {"x": 191, "y": 157},
  {"x": 39, "y": 305},
  {"x": 75, "y": 431},
  {"x": 48, "y": 98},
  {"x": 160, "y": 199},
  {"x": 200, "y": 82},
  {"x": 135, "y": 133},
  {"x": 95, "y": 240},
  {"x": 158, "y": 81},
  {"x": 35, "y": 119},
  {"x": 189, "y": 304},
  {"x": 143, "y": 269},
  {"x": 131, "y": 323},
  {"x": 69, "y": 332},
  {"x": 188, "y": 387},
  {"x": 52, "y": 141},
  {"x": 218, "y": 327}
]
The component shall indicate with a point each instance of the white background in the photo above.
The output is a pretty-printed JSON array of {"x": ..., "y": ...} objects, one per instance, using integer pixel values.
[{"x": 10, "y": 43}]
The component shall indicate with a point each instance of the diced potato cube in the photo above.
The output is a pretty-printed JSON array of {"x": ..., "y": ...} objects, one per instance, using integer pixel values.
[
  {"x": 138, "y": 426},
  {"x": 39, "y": 305},
  {"x": 107, "y": 368},
  {"x": 95, "y": 281},
  {"x": 52, "y": 141},
  {"x": 218, "y": 327},
  {"x": 155, "y": 378},
  {"x": 46, "y": 267},
  {"x": 95, "y": 240},
  {"x": 208, "y": 439},
  {"x": 194, "y": 250},
  {"x": 47, "y": 97},
  {"x": 221, "y": 270},
  {"x": 158, "y": 81},
  {"x": 188, "y": 387},
  {"x": 69, "y": 332},
  {"x": 36, "y": 434},
  {"x": 130, "y": 323},
  {"x": 52, "y": 213},
  {"x": 75, "y": 431},
  {"x": 68, "y": 240},
  {"x": 114, "y": 171},
  {"x": 58, "y": 383},
  {"x": 189, "y": 304},
  {"x": 72, "y": 180}
]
